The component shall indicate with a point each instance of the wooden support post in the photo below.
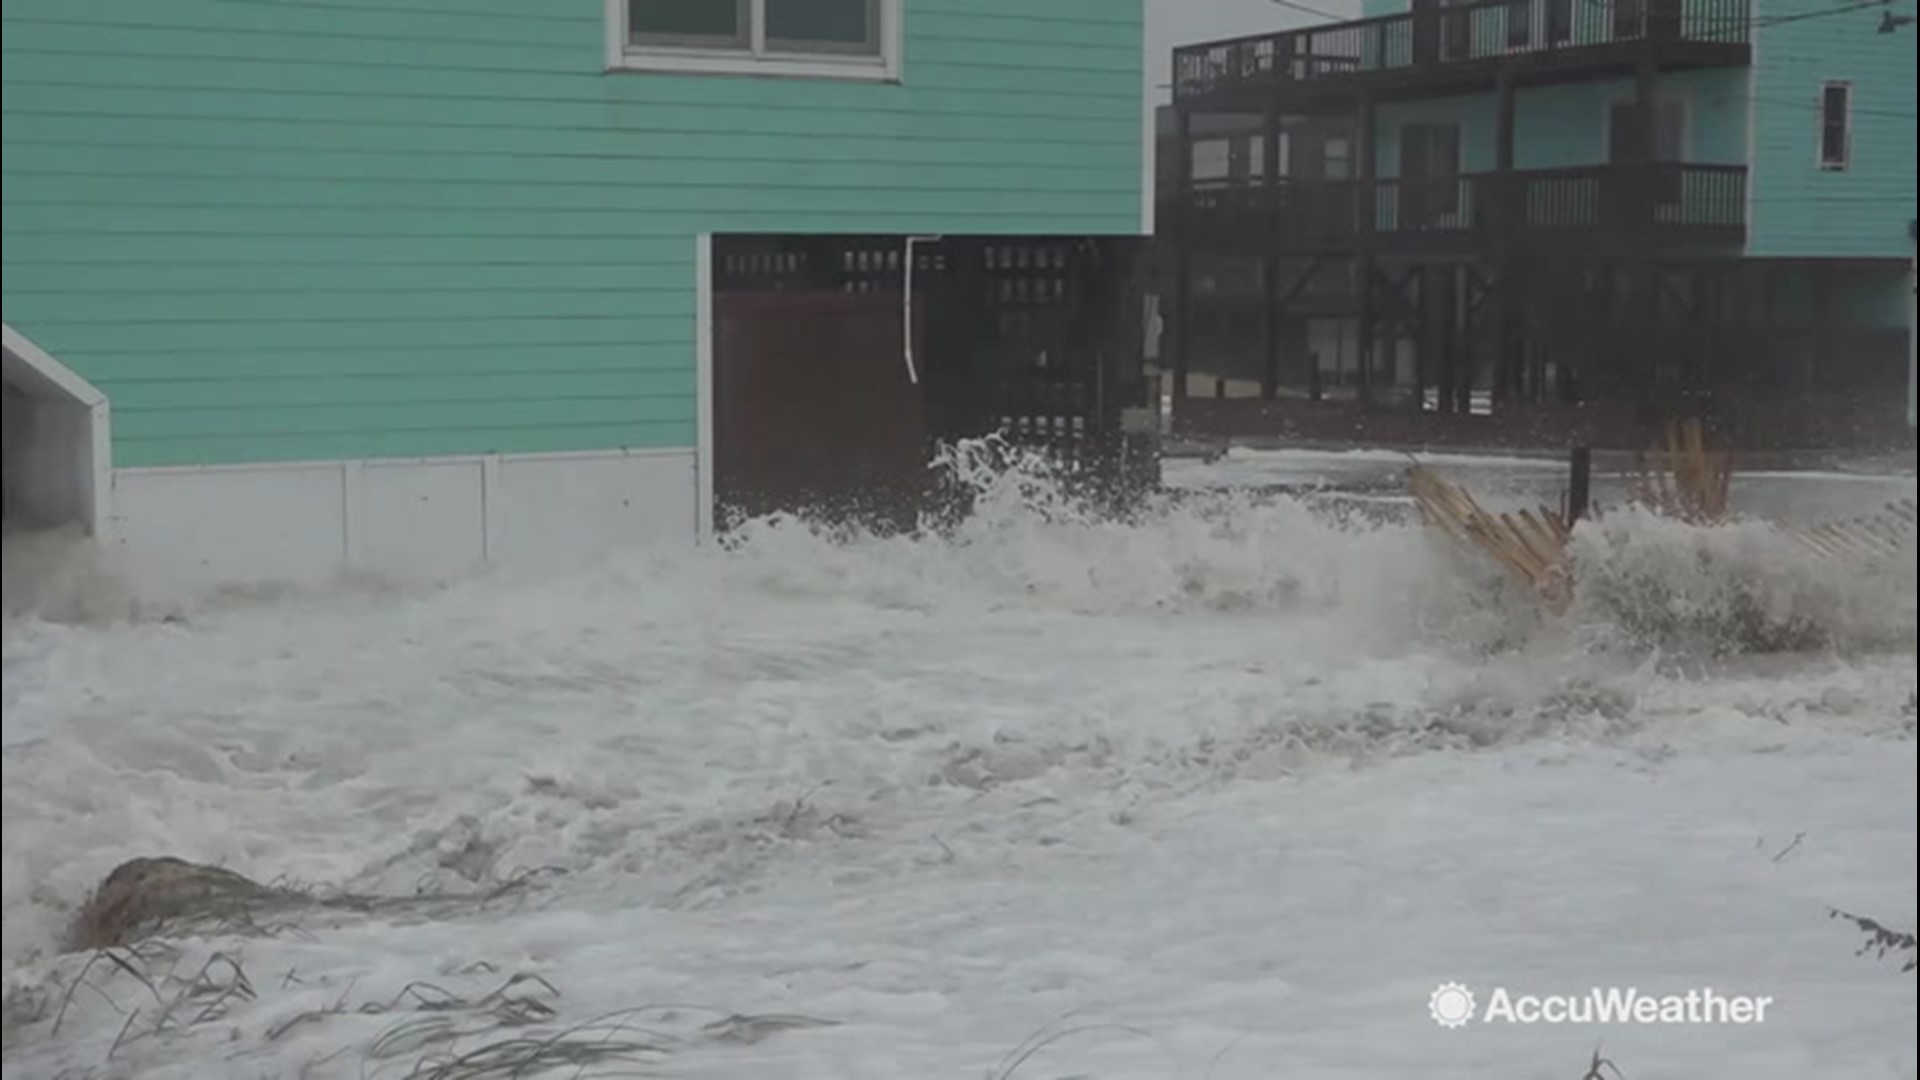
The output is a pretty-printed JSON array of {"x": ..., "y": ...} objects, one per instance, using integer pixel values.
[
  {"x": 1710, "y": 290},
  {"x": 1435, "y": 332},
  {"x": 1368, "y": 320},
  {"x": 1364, "y": 206},
  {"x": 1271, "y": 306},
  {"x": 1460, "y": 337},
  {"x": 1580, "y": 485},
  {"x": 1645, "y": 181},
  {"x": 1509, "y": 218},
  {"x": 1643, "y": 306},
  {"x": 1819, "y": 367},
  {"x": 1182, "y": 306},
  {"x": 1270, "y": 265}
]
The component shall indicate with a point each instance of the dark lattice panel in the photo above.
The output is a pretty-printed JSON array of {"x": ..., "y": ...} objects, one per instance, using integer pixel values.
[
  {"x": 858, "y": 264},
  {"x": 1026, "y": 336},
  {"x": 1047, "y": 363}
]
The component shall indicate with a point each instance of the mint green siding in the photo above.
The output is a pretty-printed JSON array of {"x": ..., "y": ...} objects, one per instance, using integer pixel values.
[
  {"x": 365, "y": 228},
  {"x": 1799, "y": 209},
  {"x": 1566, "y": 126}
]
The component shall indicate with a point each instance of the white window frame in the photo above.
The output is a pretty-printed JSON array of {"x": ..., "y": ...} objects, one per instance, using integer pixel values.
[
  {"x": 758, "y": 58},
  {"x": 1846, "y": 127}
]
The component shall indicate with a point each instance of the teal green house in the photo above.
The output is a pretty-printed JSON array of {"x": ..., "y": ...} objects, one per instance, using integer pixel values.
[
  {"x": 1673, "y": 200},
  {"x": 1822, "y": 117},
  {"x": 414, "y": 285}
]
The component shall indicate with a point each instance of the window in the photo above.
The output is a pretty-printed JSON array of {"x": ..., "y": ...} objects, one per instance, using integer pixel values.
[
  {"x": 1668, "y": 143},
  {"x": 1519, "y": 23},
  {"x": 1337, "y": 158},
  {"x": 857, "y": 39},
  {"x": 1836, "y": 125},
  {"x": 1628, "y": 143},
  {"x": 1429, "y": 175},
  {"x": 1559, "y": 20},
  {"x": 1212, "y": 159}
]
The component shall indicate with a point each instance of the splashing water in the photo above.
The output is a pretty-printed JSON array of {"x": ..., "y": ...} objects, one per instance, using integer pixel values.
[
  {"x": 1744, "y": 586},
  {"x": 685, "y": 731},
  {"x": 61, "y": 576}
]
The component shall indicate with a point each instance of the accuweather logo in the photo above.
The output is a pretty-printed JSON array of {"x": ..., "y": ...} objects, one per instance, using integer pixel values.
[
  {"x": 1454, "y": 1006},
  {"x": 1451, "y": 1005}
]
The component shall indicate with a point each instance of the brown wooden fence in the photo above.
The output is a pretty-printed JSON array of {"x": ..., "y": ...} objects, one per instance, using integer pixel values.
[
  {"x": 1037, "y": 338},
  {"x": 813, "y": 407}
]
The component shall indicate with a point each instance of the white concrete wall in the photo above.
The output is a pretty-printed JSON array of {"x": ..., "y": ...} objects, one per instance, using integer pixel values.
[{"x": 182, "y": 530}]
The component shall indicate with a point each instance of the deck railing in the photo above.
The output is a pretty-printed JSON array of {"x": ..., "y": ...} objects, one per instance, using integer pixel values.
[
  {"x": 1685, "y": 201},
  {"x": 1455, "y": 34}
]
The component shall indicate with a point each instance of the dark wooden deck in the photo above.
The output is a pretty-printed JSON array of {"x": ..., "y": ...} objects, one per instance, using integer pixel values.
[
  {"x": 1460, "y": 48},
  {"x": 1677, "y": 206}
]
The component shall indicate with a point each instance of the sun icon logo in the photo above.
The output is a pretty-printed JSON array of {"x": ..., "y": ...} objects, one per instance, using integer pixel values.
[{"x": 1451, "y": 1005}]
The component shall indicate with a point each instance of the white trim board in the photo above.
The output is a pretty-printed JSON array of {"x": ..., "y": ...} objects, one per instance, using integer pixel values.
[
  {"x": 1752, "y": 88},
  {"x": 39, "y": 376},
  {"x": 1149, "y": 123},
  {"x": 1845, "y": 164},
  {"x": 57, "y": 377},
  {"x": 703, "y": 316},
  {"x": 754, "y": 56},
  {"x": 184, "y": 529}
]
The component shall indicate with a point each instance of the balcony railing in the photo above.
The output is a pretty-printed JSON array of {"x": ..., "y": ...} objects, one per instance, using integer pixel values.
[
  {"x": 1455, "y": 35},
  {"x": 1678, "y": 203}
]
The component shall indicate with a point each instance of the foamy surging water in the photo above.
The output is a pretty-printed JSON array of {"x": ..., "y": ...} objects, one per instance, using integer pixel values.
[
  {"x": 674, "y": 724},
  {"x": 1740, "y": 587},
  {"x": 61, "y": 576}
]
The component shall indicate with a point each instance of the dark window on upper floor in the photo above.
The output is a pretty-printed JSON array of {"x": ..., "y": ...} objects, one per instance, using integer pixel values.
[
  {"x": 1836, "y": 125},
  {"x": 1338, "y": 158},
  {"x": 1519, "y": 23},
  {"x": 1559, "y": 20}
]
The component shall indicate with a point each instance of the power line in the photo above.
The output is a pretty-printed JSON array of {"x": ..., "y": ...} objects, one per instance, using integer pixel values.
[
  {"x": 1844, "y": 9},
  {"x": 1817, "y": 200},
  {"x": 1295, "y": 5},
  {"x": 1737, "y": 21},
  {"x": 1814, "y": 106},
  {"x": 1609, "y": 5}
]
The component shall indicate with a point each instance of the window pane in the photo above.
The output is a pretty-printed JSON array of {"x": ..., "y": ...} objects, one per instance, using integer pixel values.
[
  {"x": 685, "y": 19},
  {"x": 1520, "y": 23},
  {"x": 1212, "y": 159},
  {"x": 835, "y": 25},
  {"x": 1833, "y": 125},
  {"x": 1339, "y": 158},
  {"x": 1669, "y": 135}
]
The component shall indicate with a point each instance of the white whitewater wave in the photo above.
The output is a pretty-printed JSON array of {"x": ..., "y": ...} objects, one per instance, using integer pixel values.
[
  {"x": 1743, "y": 586},
  {"x": 670, "y": 722},
  {"x": 62, "y": 576}
]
